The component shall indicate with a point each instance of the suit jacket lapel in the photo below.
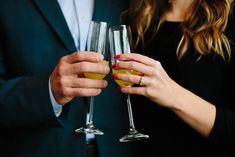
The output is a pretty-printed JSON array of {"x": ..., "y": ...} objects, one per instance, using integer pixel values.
[{"x": 51, "y": 11}]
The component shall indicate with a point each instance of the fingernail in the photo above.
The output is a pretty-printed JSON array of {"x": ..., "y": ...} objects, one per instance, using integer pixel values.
[
  {"x": 113, "y": 76},
  {"x": 105, "y": 83},
  {"x": 120, "y": 88},
  {"x": 102, "y": 57},
  {"x": 114, "y": 66},
  {"x": 117, "y": 57},
  {"x": 107, "y": 70}
]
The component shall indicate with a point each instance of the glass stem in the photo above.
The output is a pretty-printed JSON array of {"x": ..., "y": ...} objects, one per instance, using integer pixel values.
[
  {"x": 132, "y": 126},
  {"x": 91, "y": 109}
]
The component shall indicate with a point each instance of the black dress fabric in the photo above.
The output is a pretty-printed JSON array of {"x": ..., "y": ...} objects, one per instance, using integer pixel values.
[{"x": 210, "y": 77}]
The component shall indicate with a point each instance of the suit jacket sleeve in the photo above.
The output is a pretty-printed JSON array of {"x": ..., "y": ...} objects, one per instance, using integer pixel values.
[{"x": 24, "y": 101}]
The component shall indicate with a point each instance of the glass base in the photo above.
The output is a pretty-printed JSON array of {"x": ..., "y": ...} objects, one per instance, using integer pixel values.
[
  {"x": 90, "y": 129},
  {"x": 133, "y": 135}
]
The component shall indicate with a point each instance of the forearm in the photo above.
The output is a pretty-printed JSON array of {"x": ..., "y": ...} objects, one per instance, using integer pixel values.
[{"x": 195, "y": 111}]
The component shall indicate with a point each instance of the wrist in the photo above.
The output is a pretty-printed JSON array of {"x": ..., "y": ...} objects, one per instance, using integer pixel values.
[{"x": 181, "y": 99}]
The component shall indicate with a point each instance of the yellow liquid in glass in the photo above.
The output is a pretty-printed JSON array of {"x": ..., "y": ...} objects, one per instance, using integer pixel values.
[
  {"x": 122, "y": 83},
  {"x": 97, "y": 76}
]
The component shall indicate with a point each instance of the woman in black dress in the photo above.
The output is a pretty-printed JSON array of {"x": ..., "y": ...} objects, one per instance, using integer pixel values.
[{"x": 186, "y": 97}]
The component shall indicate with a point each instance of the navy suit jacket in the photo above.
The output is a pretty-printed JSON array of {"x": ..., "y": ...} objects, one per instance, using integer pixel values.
[{"x": 33, "y": 37}]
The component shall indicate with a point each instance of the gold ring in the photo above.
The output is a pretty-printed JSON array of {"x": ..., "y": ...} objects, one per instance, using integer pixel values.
[{"x": 141, "y": 81}]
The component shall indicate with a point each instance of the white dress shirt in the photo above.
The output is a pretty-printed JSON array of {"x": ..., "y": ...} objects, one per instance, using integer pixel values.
[{"x": 78, "y": 15}]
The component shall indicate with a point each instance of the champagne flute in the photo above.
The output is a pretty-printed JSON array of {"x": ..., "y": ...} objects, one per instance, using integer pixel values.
[
  {"x": 96, "y": 42},
  {"x": 121, "y": 42}
]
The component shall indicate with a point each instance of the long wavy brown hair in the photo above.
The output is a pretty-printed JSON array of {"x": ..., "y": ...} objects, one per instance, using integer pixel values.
[{"x": 205, "y": 28}]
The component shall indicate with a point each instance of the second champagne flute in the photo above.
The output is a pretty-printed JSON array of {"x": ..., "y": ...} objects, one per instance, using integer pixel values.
[
  {"x": 121, "y": 42},
  {"x": 96, "y": 42}
]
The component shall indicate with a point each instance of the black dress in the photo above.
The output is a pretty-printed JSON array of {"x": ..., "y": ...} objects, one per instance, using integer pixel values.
[{"x": 211, "y": 78}]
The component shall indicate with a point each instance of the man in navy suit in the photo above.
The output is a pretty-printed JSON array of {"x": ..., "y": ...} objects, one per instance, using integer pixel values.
[{"x": 42, "y": 89}]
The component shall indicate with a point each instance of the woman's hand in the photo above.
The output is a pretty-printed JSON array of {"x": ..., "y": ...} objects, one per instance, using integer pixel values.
[{"x": 156, "y": 84}]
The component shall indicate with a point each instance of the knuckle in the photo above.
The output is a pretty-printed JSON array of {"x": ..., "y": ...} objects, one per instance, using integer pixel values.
[
  {"x": 79, "y": 92},
  {"x": 64, "y": 92},
  {"x": 138, "y": 56},
  {"x": 135, "y": 55},
  {"x": 132, "y": 65},
  {"x": 78, "y": 55},
  {"x": 82, "y": 66},
  {"x": 130, "y": 78},
  {"x": 97, "y": 57},
  {"x": 81, "y": 83},
  {"x": 73, "y": 68},
  {"x": 63, "y": 59},
  {"x": 62, "y": 81},
  {"x": 61, "y": 68},
  {"x": 158, "y": 64},
  {"x": 155, "y": 72}
]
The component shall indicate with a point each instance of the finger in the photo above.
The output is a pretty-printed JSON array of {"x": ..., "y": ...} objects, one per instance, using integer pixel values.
[
  {"x": 136, "y": 57},
  {"x": 80, "y": 92},
  {"x": 82, "y": 67},
  {"x": 85, "y": 83},
  {"x": 132, "y": 78},
  {"x": 133, "y": 90},
  {"x": 132, "y": 65},
  {"x": 83, "y": 56},
  {"x": 156, "y": 65}
]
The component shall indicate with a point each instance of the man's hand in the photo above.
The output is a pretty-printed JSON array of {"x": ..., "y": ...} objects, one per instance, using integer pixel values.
[{"x": 67, "y": 79}]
